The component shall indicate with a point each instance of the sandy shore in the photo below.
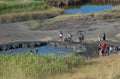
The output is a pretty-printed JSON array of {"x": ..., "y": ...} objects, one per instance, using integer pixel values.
[{"x": 11, "y": 32}]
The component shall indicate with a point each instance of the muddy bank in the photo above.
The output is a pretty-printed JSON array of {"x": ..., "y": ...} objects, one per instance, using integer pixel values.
[
  {"x": 19, "y": 31},
  {"x": 87, "y": 50}
]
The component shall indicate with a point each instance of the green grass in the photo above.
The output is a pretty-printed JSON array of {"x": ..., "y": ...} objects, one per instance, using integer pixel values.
[
  {"x": 23, "y": 6},
  {"x": 33, "y": 66},
  {"x": 22, "y": 10}
]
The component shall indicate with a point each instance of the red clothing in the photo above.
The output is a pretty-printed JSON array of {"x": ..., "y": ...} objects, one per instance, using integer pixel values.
[{"x": 103, "y": 46}]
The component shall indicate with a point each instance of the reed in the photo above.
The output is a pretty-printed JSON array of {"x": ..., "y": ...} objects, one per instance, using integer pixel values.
[
  {"x": 15, "y": 7},
  {"x": 15, "y": 10},
  {"x": 23, "y": 16},
  {"x": 33, "y": 66}
]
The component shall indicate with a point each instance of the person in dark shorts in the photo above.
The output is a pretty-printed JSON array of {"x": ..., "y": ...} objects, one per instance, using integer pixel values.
[{"x": 61, "y": 36}]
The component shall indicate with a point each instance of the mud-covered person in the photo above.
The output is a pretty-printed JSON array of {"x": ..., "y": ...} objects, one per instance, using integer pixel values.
[{"x": 70, "y": 36}]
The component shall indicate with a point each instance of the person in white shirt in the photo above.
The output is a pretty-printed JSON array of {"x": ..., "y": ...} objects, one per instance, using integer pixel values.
[
  {"x": 61, "y": 36},
  {"x": 110, "y": 50}
]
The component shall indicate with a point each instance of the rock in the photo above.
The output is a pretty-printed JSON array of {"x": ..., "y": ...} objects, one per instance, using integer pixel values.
[{"x": 15, "y": 45}]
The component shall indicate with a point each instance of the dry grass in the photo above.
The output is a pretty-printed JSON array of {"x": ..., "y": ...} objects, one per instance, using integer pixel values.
[
  {"x": 118, "y": 36},
  {"x": 34, "y": 25},
  {"x": 46, "y": 39},
  {"x": 3, "y": 3},
  {"x": 101, "y": 68}
]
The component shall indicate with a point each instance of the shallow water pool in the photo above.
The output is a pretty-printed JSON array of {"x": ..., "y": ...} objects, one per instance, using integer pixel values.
[
  {"x": 89, "y": 9},
  {"x": 42, "y": 50}
]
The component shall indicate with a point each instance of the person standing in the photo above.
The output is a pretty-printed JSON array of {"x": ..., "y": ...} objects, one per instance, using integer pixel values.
[
  {"x": 110, "y": 49},
  {"x": 99, "y": 40},
  {"x": 70, "y": 36},
  {"x": 104, "y": 36},
  {"x": 61, "y": 36},
  {"x": 36, "y": 50}
]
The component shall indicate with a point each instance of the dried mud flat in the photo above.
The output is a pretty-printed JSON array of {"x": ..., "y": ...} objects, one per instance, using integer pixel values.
[{"x": 12, "y": 32}]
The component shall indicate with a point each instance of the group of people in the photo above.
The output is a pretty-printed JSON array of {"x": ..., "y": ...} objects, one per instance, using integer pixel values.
[
  {"x": 69, "y": 37},
  {"x": 104, "y": 48}
]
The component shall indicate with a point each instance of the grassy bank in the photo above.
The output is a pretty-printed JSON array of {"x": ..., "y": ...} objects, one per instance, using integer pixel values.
[
  {"x": 15, "y": 10},
  {"x": 32, "y": 66},
  {"x": 23, "y": 16},
  {"x": 101, "y": 68}
]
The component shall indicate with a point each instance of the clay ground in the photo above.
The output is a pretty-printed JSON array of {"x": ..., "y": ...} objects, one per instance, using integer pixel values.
[{"x": 19, "y": 31}]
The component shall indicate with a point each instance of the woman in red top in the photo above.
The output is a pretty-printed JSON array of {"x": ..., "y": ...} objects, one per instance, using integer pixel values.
[{"x": 103, "y": 47}]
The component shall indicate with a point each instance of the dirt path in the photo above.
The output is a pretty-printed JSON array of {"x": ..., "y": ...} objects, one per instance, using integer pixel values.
[{"x": 19, "y": 32}]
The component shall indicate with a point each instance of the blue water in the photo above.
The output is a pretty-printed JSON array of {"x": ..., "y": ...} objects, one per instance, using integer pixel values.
[
  {"x": 89, "y": 9},
  {"x": 42, "y": 50}
]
